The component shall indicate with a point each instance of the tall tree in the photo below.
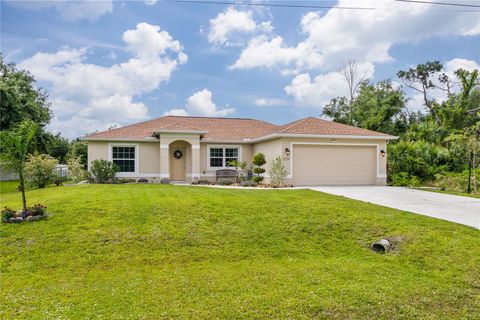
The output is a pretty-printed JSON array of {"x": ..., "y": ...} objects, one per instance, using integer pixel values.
[
  {"x": 19, "y": 99},
  {"x": 15, "y": 146},
  {"x": 377, "y": 107},
  {"x": 421, "y": 79}
]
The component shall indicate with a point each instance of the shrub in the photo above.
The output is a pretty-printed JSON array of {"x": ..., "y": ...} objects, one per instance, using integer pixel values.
[
  {"x": 37, "y": 210},
  {"x": 277, "y": 172},
  {"x": 248, "y": 183},
  {"x": 39, "y": 169},
  {"x": 142, "y": 180},
  {"x": 165, "y": 181},
  {"x": 7, "y": 213},
  {"x": 258, "y": 161},
  {"x": 126, "y": 180},
  {"x": 456, "y": 181},
  {"x": 405, "y": 179},
  {"x": 75, "y": 169},
  {"x": 202, "y": 181},
  {"x": 225, "y": 183},
  {"x": 103, "y": 171}
]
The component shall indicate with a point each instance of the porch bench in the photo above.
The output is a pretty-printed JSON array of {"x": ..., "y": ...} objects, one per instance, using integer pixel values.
[{"x": 226, "y": 173}]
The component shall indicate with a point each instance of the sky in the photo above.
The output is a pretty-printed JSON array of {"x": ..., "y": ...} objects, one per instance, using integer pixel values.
[{"x": 113, "y": 63}]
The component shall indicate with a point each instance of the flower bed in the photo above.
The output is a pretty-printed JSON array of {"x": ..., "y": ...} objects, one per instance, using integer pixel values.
[
  {"x": 245, "y": 183},
  {"x": 35, "y": 213}
]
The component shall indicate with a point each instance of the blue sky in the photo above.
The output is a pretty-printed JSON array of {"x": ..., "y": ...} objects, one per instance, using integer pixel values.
[{"x": 110, "y": 63}]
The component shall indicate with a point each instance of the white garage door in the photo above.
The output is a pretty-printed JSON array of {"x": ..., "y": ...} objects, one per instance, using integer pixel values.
[{"x": 334, "y": 165}]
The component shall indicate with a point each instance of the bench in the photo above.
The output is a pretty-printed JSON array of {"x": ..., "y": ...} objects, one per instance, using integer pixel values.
[{"x": 226, "y": 173}]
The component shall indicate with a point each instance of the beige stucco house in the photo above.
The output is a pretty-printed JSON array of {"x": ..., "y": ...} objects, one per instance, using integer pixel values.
[{"x": 314, "y": 151}]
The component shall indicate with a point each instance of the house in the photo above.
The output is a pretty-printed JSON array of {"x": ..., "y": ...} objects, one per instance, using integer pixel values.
[{"x": 182, "y": 148}]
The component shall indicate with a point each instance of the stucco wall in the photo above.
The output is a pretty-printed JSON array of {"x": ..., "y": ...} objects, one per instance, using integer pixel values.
[
  {"x": 274, "y": 148},
  {"x": 148, "y": 154},
  {"x": 246, "y": 153}
]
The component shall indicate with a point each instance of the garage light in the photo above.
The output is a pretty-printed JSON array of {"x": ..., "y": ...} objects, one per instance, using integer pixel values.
[
  {"x": 382, "y": 153},
  {"x": 287, "y": 152}
]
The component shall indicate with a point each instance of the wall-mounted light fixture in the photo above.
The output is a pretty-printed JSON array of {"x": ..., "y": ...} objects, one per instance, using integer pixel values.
[
  {"x": 287, "y": 152},
  {"x": 382, "y": 153}
]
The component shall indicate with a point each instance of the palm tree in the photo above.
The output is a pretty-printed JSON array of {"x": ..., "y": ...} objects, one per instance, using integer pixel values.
[{"x": 15, "y": 145}]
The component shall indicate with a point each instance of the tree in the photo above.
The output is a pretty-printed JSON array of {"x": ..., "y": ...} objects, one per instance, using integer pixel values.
[
  {"x": 15, "y": 146},
  {"x": 79, "y": 149},
  {"x": 421, "y": 79},
  {"x": 463, "y": 109},
  {"x": 19, "y": 99},
  {"x": 258, "y": 161},
  {"x": 378, "y": 107}
]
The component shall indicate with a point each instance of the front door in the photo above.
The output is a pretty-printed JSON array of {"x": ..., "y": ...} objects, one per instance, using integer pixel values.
[{"x": 178, "y": 163}]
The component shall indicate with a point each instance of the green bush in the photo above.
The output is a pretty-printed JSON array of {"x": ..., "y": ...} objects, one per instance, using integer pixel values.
[
  {"x": 76, "y": 173},
  {"x": 7, "y": 213},
  {"x": 39, "y": 169},
  {"x": 456, "y": 181},
  {"x": 103, "y": 171},
  {"x": 405, "y": 179},
  {"x": 248, "y": 183},
  {"x": 225, "y": 182},
  {"x": 418, "y": 158},
  {"x": 258, "y": 161}
]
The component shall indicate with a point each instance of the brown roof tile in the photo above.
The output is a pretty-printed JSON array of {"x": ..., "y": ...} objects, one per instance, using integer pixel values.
[
  {"x": 313, "y": 125},
  {"x": 230, "y": 129}
]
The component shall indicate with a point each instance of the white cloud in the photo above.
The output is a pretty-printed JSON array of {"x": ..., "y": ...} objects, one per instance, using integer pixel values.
[
  {"x": 151, "y": 2},
  {"x": 176, "y": 112},
  {"x": 226, "y": 26},
  {"x": 268, "y": 102},
  {"x": 83, "y": 92},
  {"x": 70, "y": 10},
  {"x": 365, "y": 36},
  {"x": 317, "y": 92},
  {"x": 201, "y": 104}
]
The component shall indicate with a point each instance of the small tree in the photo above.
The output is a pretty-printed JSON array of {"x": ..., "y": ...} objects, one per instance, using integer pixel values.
[
  {"x": 277, "y": 172},
  {"x": 238, "y": 165},
  {"x": 75, "y": 169},
  {"x": 258, "y": 161},
  {"x": 40, "y": 169},
  {"x": 15, "y": 145},
  {"x": 103, "y": 171}
]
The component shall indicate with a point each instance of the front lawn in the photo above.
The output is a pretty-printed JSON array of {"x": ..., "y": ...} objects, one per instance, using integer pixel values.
[{"x": 162, "y": 251}]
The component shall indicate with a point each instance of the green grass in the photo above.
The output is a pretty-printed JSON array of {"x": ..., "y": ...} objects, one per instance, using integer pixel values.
[
  {"x": 455, "y": 193},
  {"x": 160, "y": 251}
]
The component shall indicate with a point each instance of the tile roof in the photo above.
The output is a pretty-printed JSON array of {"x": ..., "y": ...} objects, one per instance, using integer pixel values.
[
  {"x": 229, "y": 129},
  {"x": 313, "y": 125}
]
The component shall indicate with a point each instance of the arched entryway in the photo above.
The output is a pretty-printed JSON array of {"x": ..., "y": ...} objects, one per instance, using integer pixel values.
[{"x": 180, "y": 160}]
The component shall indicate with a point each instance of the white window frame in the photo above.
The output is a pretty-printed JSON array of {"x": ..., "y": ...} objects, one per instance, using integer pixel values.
[
  {"x": 136, "y": 160},
  {"x": 223, "y": 146}
]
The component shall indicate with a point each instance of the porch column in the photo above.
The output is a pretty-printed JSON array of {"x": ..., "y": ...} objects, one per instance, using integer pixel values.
[
  {"x": 164, "y": 158},
  {"x": 195, "y": 158}
]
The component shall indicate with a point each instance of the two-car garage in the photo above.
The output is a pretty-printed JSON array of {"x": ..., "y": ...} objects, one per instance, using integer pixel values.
[{"x": 334, "y": 164}]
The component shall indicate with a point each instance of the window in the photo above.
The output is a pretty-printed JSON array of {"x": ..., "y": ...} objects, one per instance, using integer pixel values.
[
  {"x": 219, "y": 157},
  {"x": 124, "y": 158}
]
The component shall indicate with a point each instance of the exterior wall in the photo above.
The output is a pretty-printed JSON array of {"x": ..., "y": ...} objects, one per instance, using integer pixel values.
[
  {"x": 274, "y": 148},
  {"x": 246, "y": 153},
  {"x": 153, "y": 157},
  {"x": 148, "y": 156}
]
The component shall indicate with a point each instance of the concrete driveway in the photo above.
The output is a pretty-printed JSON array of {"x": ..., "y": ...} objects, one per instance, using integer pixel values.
[{"x": 463, "y": 210}]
